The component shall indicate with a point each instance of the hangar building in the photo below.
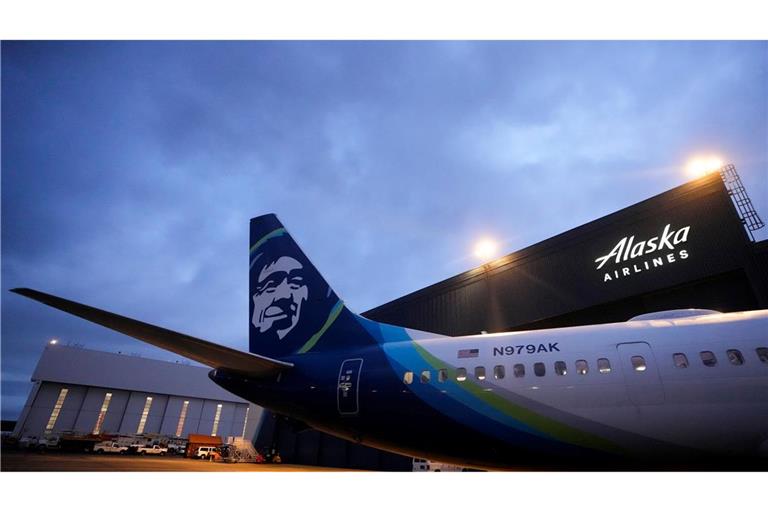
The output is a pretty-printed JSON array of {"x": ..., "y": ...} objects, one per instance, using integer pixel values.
[
  {"x": 88, "y": 391},
  {"x": 689, "y": 247},
  {"x": 685, "y": 248}
]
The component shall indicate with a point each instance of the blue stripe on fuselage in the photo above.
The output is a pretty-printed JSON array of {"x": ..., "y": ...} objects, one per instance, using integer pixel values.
[{"x": 457, "y": 403}]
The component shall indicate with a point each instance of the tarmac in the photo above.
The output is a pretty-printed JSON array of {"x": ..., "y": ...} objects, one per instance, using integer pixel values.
[{"x": 30, "y": 461}]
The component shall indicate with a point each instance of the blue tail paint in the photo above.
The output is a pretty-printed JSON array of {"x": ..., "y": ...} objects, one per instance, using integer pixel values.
[{"x": 293, "y": 310}]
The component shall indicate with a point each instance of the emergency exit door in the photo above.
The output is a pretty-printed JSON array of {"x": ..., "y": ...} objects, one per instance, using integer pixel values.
[
  {"x": 641, "y": 373},
  {"x": 347, "y": 392}
]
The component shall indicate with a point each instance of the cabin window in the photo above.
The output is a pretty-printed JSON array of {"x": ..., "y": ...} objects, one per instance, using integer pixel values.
[
  {"x": 408, "y": 378},
  {"x": 735, "y": 357},
  {"x": 539, "y": 369},
  {"x": 708, "y": 358},
  {"x": 638, "y": 363},
  {"x": 680, "y": 359},
  {"x": 519, "y": 370},
  {"x": 762, "y": 353},
  {"x": 560, "y": 368},
  {"x": 461, "y": 374},
  {"x": 603, "y": 365},
  {"x": 442, "y": 375},
  {"x": 480, "y": 372},
  {"x": 425, "y": 375},
  {"x": 498, "y": 372},
  {"x": 582, "y": 367}
]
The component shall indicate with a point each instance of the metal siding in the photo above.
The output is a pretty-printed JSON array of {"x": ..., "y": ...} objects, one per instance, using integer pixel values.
[
  {"x": 256, "y": 417},
  {"x": 89, "y": 410},
  {"x": 205, "y": 425},
  {"x": 21, "y": 425},
  {"x": 227, "y": 422},
  {"x": 192, "y": 424},
  {"x": 133, "y": 411},
  {"x": 558, "y": 276},
  {"x": 40, "y": 410},
  {"x": 71, "y": 408},
  {"x": 155, "y": 417},
  {"x": 238, "y": 418},
  {"x": 115, "y": 411},
  {"x": 173, "y": 414}
]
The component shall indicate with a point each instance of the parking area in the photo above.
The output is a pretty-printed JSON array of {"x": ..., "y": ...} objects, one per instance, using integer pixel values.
[{"x": 24, "y": 461}]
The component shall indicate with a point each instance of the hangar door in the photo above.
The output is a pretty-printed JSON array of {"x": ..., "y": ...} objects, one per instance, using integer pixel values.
[{"x": 641, "y": 373}]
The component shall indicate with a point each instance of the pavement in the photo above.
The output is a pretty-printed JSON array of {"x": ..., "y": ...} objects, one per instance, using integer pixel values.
[{"x": 30, "y": 461}]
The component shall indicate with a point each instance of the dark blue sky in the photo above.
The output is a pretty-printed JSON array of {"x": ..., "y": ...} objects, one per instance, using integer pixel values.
[{"x": 130, "y": 170}]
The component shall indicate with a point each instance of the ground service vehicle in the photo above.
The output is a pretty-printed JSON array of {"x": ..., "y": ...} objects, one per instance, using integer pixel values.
[
  {"x": 110, "y": 447},
  {"x": 437, "y": 467},
  {"x": 154, "y": 449},
  {"x": 206, "y": 452}
]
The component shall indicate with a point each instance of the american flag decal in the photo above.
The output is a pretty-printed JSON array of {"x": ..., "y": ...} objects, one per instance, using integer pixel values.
[{"x": 469, "y": 352}]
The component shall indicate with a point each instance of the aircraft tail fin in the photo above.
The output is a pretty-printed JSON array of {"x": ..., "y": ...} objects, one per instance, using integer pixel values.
[
  {"x": 292, "y": 307},
  {"x": 292, "y": 311}
]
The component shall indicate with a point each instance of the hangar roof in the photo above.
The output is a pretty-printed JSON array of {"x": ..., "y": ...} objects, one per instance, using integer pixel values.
[{"x": 76, "y": 365}]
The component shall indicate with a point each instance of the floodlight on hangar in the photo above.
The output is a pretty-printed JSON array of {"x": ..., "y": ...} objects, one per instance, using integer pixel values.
[
  {"x": 700, "y": 166},
  {"x": 486, "y": 249}
]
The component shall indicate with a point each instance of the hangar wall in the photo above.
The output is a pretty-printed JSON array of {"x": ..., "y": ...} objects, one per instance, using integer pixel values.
[
  {"x": 89, "y": 375},
  {"x": 704, "y": 258}
]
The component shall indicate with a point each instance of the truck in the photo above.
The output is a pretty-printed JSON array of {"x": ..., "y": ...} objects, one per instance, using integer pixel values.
[
  {"x": 48, "y": 442},
  {"x": 177, "y": 447},
  {"x": 154, "y": 449},
  {"x": 430, "y": 465},
  {"x": 110, "y": 447},
  {"x": 207, "y": 452}
]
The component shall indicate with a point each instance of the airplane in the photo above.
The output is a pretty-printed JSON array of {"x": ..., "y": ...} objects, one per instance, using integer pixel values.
[{"x": 667, "y": 390}]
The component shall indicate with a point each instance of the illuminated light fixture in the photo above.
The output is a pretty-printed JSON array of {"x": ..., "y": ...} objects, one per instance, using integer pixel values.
[
  {"x": 486, "y": 249},
  {"x": 144, "y": 415},
  {"x": 53, "y": 341},
  {"x": 182, "y": 417},
  {"x": 216, "y": 419},
  {"x": 245, "y": 422},
  {"x": 698, "y": 167}
]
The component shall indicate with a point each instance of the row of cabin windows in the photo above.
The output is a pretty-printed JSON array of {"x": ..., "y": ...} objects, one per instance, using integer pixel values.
[
  {"x": 518, "y": 370},
  {"x": 708, "y": 358},
  {"x": 582, "y": 367}
]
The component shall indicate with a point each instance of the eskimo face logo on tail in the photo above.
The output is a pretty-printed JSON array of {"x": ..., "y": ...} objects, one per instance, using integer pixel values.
[
  {"x": 291, "y": 306},
  {"x": 281, "y": 291}
]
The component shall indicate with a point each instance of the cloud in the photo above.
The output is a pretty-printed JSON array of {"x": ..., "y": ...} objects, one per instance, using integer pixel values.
[{"x": 130, "y": 170}]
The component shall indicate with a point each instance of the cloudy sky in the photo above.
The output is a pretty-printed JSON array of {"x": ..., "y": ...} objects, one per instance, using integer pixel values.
[{"x": 130, "y": 170}]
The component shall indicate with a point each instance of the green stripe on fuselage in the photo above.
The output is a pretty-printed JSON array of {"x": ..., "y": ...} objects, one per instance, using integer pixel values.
[{"x": 543, "y": 424}]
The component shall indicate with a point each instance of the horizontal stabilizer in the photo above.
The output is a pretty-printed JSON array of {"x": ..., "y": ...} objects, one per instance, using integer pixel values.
[{"x": 205, "y": 352}]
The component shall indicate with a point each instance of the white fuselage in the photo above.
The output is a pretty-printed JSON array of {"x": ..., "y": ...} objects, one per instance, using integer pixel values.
[{"x": 718, "y": 406}]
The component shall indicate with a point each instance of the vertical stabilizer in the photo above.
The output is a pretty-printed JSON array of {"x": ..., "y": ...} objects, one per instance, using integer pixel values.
[{"x": 293, "y": 310}]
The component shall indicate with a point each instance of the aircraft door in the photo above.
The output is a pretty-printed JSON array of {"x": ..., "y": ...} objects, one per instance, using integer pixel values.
[
  {"x": 347, "y": 391},
  {"x": 641, "y": 373}
]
